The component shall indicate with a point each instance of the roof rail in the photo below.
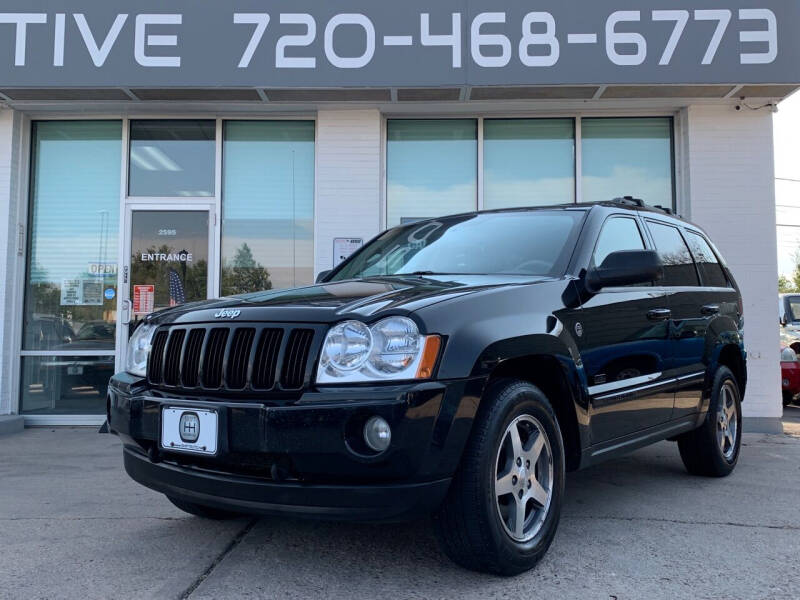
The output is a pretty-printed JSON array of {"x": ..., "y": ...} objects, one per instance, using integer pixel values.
[
  {"x": 638, "y": 202},
  {"x": 630, "y": 200}
]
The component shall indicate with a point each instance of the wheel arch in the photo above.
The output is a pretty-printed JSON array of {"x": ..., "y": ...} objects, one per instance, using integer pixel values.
[
  {"x": 558, "y": 379},
  {"x": 732, "y": 357}
]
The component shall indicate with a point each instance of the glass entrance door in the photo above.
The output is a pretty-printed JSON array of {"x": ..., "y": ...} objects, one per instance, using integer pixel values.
[{"x": 168, "y": 259}]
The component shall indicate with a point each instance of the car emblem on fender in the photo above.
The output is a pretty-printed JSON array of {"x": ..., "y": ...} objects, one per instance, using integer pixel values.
[
  {"x": 227, "y": 314},
  {"x": 189, "y": 427}
]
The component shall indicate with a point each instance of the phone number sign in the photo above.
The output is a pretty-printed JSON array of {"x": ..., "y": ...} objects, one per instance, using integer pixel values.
[{"x": 316, "y": 43}]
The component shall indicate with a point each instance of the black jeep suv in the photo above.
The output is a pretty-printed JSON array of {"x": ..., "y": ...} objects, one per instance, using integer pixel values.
[{"x": 455, "y": 366}]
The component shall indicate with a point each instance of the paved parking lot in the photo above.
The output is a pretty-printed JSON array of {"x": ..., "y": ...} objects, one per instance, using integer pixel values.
[{"x": 73, "y": 526}]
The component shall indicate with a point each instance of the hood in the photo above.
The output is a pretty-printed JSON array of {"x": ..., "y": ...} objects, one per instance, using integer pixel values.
[{"x": 367, "y": 299}]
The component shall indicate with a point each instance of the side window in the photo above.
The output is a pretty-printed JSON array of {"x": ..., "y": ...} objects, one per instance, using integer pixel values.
[
  {"x": 710, "y": 270},
  {"x": 679, "y": 267},
  {"x": 618, "y": 233}
]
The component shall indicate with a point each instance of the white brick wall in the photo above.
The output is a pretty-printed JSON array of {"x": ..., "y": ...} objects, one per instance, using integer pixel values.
[
  {"x": 9, "y": 167},
  {"x": 732, "y": 195},
  {"x": 348, "y": 176}
]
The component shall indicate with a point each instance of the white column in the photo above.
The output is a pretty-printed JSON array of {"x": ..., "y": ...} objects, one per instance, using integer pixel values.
[
  {"x": 732, "y": 195},
  {"x": 9, "y": 244},
  {"x": 348, "y": 179}
]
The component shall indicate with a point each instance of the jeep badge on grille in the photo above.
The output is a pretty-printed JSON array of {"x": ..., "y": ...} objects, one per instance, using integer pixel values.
[{"x": 227, "y": 314}]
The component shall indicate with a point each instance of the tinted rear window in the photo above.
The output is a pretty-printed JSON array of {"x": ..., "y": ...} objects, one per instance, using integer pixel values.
[
  {"x": 710, "y": 270},
  {"x": 678, "y": 264}
]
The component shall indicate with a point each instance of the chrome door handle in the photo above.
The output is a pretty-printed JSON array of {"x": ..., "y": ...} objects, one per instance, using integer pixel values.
[
  {"x": 659, "y": 314},
  {"x": 710, "y": 309}
]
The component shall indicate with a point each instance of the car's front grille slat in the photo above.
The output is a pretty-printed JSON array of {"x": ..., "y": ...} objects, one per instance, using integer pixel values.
[
  {"x": 173, "y": 357},
  {"x": 240, "y": 358},
  {"x": 155, "y": 364},
  {"x": 266, "y": 359},
  {"x": 297, "y": 350},
  {"x": 213, "y": 359},
  {"x": 191, "y": 358},
  {"x": 236, "y": 376}
]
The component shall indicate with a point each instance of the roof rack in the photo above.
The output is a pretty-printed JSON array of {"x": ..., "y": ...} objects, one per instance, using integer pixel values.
[{"x": 639, "y": 203}]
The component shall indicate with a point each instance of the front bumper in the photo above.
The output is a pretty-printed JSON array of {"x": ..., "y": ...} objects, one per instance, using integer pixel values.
[{"x": 304, "y": 457}]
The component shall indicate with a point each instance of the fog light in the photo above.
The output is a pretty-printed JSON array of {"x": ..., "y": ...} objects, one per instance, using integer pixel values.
[{"x": 377, "y": 434}]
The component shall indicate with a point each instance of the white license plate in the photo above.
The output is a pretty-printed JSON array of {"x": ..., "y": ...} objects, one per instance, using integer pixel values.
[{"x": 189, "y": 430}]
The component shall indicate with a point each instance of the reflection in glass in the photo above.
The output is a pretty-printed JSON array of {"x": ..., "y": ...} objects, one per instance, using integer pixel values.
[
  {"x": 535, "y": 242},
  {"x": 431, "y": 168},
  {"x": 627, "y": 157},
  {"x": 172, "y": 158},
  {"x": 169, "y": 259},
  {"x": 706, "y": 261},
  {"x": 528, "y": 162},
  {"x": 267, "y": 205},
  {"x": 70, "y": 300},
  {"x": 64, "y": 385},
  {"x": 678, "y": 264},
  {"x": 618, "y": 234}
]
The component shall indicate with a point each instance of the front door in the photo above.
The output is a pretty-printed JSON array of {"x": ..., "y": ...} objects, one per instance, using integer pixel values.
[
  {"x": 625, "y": 346},
  {"x": 167, "y": 261}
]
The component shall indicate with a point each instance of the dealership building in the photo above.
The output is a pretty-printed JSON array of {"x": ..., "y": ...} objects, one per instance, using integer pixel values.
[{"x": 155, "y": 153}]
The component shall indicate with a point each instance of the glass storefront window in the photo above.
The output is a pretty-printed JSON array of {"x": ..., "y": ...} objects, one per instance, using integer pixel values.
[
  {"x": 65, "y": 385},
  {"x": 172, "y": 158},
  {"x": 267, "y": 205},
  {"x": 431, "y": 168},
  {"x": 71, "y": 286},
  {"x": 528, "y": 162},
  {"x": 627, "y": 157}
]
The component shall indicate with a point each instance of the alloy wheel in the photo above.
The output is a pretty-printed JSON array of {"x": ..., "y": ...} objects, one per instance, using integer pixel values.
[
  {"x": 523, "y": 478},
  {"x": 727, "y": 420}
]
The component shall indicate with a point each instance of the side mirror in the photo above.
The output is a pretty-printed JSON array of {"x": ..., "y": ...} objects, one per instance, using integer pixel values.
[
  {"x": 626, "y": 267},
  {"x": 322, "y": 275}
]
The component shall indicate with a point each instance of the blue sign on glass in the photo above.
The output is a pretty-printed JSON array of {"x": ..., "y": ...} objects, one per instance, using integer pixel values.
[{"x": 109, "y": 293}]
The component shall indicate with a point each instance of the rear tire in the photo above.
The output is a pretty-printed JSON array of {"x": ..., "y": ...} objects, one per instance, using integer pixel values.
[
  {"x": 205, "y": 512},
  {"x": 503, "y": 507},
  {"x": 712, "y": 450}
]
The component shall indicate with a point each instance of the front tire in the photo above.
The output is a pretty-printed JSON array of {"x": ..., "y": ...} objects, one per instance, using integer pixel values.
[
  {"x": 503, "y": 507},
  {"x": 712, "y": 450},
  {"x": 205, "y": 512},
  {"x": 788, "y": 398}
]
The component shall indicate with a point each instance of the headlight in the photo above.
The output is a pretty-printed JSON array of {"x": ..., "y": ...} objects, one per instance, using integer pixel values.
[
  {"x": 139, "y": 349},
  {"x": 391, "y": 349},
  {"x": 788, "y": 355}
]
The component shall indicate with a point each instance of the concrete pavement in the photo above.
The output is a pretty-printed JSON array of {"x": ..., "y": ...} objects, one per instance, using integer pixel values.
[{"x": 72, "y": 525}]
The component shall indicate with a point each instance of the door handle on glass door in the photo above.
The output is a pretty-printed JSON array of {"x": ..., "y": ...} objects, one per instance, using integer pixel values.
[
  {"x": 710, "y": 309},
  {"x": 126, "y": 312},
  {"x": 659, "y": 314}
]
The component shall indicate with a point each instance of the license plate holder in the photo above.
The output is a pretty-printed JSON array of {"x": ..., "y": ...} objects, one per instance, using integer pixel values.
[{"x": 191, "y": 430}]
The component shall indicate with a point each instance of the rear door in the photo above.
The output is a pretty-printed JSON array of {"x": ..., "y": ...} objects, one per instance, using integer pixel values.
[
  {"x": 698, "y": 294},
  {"x": 623, "y": 337},
  {"x": 717, "y": 303}
]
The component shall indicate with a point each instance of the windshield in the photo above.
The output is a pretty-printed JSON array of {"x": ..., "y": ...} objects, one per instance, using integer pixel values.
[
  {"x": 793, "y": 303},
  {"x": 536, "y": 242}
]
